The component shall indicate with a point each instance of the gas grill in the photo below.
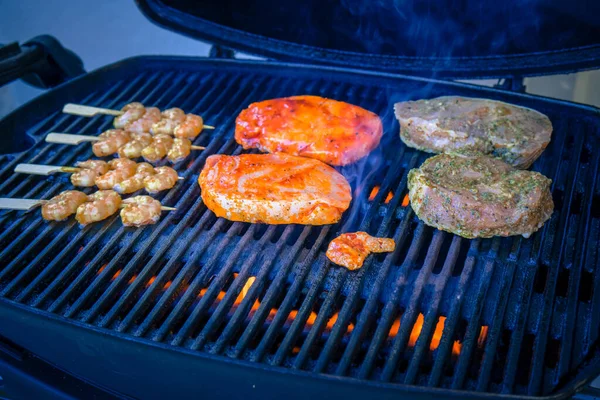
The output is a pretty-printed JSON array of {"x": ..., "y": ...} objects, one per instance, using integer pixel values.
[{"x": 201, "y": 306}]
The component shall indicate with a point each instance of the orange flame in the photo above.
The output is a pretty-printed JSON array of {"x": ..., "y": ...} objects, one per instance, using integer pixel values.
[
  {"x": 437, "y": 334},
  {"x": 405, "y": 201},
  {"x": 333, "y": 320},
  {"x": 416, "y": 331},
  {"x": 482, "y": 335},
  {"x": 374, "y": 192},
  {"x": 244, "y": 291},
  {"x": 150, "y": 281},
  {"x": 456, "y": 346},
  {"x": 132, "y": 279},
  {"x": 101, "y": 269},
  {"x": 116, "y": 275},
  {"x": 394, "y": 328},
  {"x": 167, "y": 285}
]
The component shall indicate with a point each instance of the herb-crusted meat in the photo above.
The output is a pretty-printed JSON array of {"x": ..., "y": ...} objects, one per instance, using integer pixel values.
[
  {"x": 479, "y": 196},
  {"x": 451, "y": 124}
]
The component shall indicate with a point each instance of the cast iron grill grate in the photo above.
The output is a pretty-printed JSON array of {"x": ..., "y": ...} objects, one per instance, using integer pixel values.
[{"x": 505, "y": 315}]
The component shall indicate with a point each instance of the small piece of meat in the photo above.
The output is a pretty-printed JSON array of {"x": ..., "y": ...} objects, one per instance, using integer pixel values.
[
  {"x": 274, "y": 189},
  {"x": 331, "y": 131},
  {"x": 158, "y": 149},
  {"x": 101, "y": 205},
  {"x": 450, "y": 124},
  {"x": 479, "y": 196},
  {"x": 121, "y": 169},
  {"x": 140, "y": 210},
  {"x": 136, "y": 182},
  {"x": 60, "y": 207},
  {"x": 112, "y": 140},
  {"x": 350, "y": 249},
  {"x": 171, "y": 118},
  {"x": 101, "y": 167}
]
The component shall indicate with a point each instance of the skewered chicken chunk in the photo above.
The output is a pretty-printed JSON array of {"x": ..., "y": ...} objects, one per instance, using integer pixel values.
[
  {"x": 132, "y": 112},
  {"x": 145, "y": 123},
  {"x": 164, "y": 178},
  {"x": 101, "y": 205},
  {"x": 171, "y": 118},
  {"x": 60, "y": 207},
  {"x": 140, "y": 210},
  {"x": 158, "y": 149},
  {"x": 190, "y": 127},
  {"x": 350, "y": 249},
  {"x": 136, "y": 182},
  {"x": 121, "y": 169},
  {"x": 180, "y": 149},
  {"x": 274, "y": 189},
  {"x": 112, "y": 139}
]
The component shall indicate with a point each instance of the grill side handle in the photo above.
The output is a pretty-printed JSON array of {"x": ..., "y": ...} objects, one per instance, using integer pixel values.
[{"x": 42, "y": 62}]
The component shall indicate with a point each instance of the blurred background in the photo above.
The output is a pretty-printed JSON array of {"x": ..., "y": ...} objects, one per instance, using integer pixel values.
[{"x": 107, "y": 31}]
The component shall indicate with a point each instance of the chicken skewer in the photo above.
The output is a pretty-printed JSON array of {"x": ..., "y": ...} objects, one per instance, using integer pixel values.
[
  {"x": 135, "y": 211},
  {"x": 130, "y": 113},
  {"x": 133, "y": 145},
  {"x": 120, "y": 174}
]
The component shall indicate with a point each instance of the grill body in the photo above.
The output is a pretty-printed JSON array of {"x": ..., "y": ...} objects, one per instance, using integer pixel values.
[{"x": 197, "y": 303}]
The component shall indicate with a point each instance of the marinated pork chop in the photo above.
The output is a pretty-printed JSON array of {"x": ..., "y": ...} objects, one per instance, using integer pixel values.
[
  {"x": 274, "y": 189},
  {"x": 350, "y": 249},
  {"x": 479, "y": 196},
  {"x": 449, "y": 124},
  {"x": 334, "y": 132}
]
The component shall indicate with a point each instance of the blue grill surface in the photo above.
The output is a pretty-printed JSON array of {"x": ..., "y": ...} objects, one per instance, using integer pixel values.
[{"x": 503, "y": 315}]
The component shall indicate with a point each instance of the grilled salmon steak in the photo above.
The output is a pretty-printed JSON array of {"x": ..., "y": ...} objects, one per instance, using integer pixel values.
[
  {"x": 449, "y": 124},
  {"x": 274, "y": 189},
  {"x": 350, "y": 249},
  {"x": 331, "y": 131},
  {"x": 479, "y": 196}
]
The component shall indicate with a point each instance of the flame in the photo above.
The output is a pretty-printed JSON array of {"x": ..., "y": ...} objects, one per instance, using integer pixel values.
[
  {"x": 132, "y": 279},
  {"x": 101, "y": 269},
  {"x": 116, "y": 275},
  {"x": 437, "y": 334},
  {"x": 416, "y": 331},
  {"x": 244, "y": 291},
  {"x": 482, "y": 335},
  {"x": 150, "y": 281},
  {"x": 296, "y": 350},
  {"x": 374, "y": 192},
  {"x": 333, "y": 320},
  {"x": 394, "y": 328},
  {"x": 456, "y": 346},
  {"x": 167, "y": 285},
  {"x": 405, "y": 201}
]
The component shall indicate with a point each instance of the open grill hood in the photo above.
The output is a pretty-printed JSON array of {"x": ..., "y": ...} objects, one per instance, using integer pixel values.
[{"x": 451, "y": 39}]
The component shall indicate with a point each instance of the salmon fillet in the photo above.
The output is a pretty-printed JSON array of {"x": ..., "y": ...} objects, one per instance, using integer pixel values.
[
  {"x": 331, "y": 131},
  {"x": 350, "y": 249},
  {"x": 449, "y": 124},
  {"x": 274, "y": 189},
  {"x": 479, "y": 196}
]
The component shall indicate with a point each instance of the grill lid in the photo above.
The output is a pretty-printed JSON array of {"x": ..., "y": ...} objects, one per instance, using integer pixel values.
[{"x": 459, "y": 39}]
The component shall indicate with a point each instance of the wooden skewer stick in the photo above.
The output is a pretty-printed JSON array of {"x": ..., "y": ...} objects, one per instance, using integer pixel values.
[
  {"x": 36, "y": 169},
  {"x": 67, "y": 138},
  {"x": 29, "y": 204},
  {"x": 89, "y": 111},
  {"x": 20, "y": 204}
]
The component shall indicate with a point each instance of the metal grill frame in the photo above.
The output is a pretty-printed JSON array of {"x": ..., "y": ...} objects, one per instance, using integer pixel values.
[{"x": 98, "y": 335}]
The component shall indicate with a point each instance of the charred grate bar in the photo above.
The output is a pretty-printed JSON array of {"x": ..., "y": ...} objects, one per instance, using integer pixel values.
[{"x": 504, "y": 315}]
